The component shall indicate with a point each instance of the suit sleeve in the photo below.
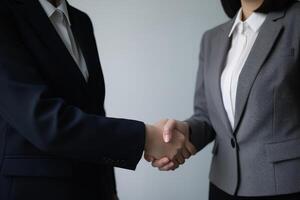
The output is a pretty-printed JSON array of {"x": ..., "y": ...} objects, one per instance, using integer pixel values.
[
  {"x": 202, "y": 132},
  {"x": 55, "y": 127}
]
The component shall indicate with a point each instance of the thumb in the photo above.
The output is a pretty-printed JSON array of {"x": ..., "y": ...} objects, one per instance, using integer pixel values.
[
  {"x": 148, "y": 158},
  {"x": 168, "y": 130}
]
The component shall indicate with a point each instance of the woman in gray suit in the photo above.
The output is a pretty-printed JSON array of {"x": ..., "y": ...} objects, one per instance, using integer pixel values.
[{"x": 247, "y": 100}]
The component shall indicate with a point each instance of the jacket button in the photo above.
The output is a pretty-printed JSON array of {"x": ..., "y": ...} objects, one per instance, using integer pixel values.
[{"x": 233, "y": 143}]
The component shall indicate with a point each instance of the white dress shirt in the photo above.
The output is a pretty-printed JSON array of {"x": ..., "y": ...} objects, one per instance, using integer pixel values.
[
  {"x": 59, "y": 17},
  {"x": 244, "y": 34}
]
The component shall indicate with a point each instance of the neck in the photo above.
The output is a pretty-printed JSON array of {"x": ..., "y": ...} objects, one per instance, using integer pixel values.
[
  {"x": 54, "y": 2},
  {"x": 249, "y": 6}
]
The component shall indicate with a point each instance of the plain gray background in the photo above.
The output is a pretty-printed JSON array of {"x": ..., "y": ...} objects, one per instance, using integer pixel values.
[{"x": 149, "y": 53}]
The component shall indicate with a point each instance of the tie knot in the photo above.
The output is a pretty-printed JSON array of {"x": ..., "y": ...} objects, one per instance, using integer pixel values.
[{"x": 59, "y": 16}]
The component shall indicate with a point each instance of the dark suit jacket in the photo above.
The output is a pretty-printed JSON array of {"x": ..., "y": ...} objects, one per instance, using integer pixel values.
[
  {"x": 55, "y": 141},
  {"x": 260, "y": 155}
]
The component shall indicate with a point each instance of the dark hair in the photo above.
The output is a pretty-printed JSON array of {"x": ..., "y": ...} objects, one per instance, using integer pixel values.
[{"x": 232, "y": 6}]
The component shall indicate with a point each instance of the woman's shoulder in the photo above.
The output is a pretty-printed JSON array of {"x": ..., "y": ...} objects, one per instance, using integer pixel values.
[
  {"x": 214, "y": 32},
  {"x": 292, "y": 17},
  {"x": 294, "y": 10}
]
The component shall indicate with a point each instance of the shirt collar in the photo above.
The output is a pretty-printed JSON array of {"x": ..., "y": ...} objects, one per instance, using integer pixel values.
[
  {"x": 50, "y": 9},
  {"x": 255, "y": 21}
]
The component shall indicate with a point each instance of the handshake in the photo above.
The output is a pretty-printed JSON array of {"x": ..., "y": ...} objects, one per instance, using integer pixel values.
[{"x": 168, "y": 145}]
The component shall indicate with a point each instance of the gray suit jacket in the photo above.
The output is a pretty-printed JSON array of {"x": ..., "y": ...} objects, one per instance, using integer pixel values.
[{"x": 260, "y": 156}]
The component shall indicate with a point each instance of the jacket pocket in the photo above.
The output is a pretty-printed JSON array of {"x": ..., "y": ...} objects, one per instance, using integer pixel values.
[
  {"x": 285, "y": 158},
  {"x": 282, "y": 151},
  {"x": 36, "y": 167},
  {"x": 288, "y": 52}
]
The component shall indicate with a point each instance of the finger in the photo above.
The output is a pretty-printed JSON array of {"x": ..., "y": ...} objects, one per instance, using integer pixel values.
[
  {"x": 175, "y": 167},
  {"x": 161, "y": 123},
  {"x": 167, "y": 167},
  {"x": 180, "y": 159},
  {"x": 148, "y": 158},
  {"x": 182, "y": 127},
  {"x": 169, "y": 127},
  {"x": 160, "y": 163},
  {"x": 185, "y": 153}
]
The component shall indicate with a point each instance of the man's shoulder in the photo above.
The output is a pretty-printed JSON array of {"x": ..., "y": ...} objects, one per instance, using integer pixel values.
[
  {"x": 9, "y": 33},
  {"x": 79, "y": 14}
]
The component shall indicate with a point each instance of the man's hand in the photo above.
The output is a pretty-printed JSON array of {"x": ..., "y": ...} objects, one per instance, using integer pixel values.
[
  {"x": 155, "y": 146},
  {"x": 169, "y": 128}
]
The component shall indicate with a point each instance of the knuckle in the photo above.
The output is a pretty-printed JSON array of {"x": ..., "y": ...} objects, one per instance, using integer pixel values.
[
  {"x": 181, "y": 161},
  {"x": 182, "y": 138},
  {"x": 155, "y": 164},
  {"x": 186, "y": 155},
  {"x": 172, "y": 157}
]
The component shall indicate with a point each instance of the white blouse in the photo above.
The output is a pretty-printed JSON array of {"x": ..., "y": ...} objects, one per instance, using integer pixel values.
[{"x": 244, "y": 34}]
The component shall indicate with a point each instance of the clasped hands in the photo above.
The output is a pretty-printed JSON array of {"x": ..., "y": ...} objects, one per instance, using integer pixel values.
[{"x": 168, "y": 145}]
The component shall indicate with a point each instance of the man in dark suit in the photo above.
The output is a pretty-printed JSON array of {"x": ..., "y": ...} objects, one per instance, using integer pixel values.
[{"x": 55, "y": 141}]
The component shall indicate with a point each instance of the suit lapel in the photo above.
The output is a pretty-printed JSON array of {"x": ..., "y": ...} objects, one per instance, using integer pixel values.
[
  {"x": 83, "y": 34},
  {"x": 84, "y": 38},
  {"x": 221, "y": 46},
  {"x": 63, "y": 67},
  {"x": 266, "y": 39}
]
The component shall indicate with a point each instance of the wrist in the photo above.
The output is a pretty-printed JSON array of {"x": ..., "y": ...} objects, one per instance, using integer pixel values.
[
  {"x": 189, "y": 130},
  {"x": 186, "y": 129},
  {"x": 149, "y": 129}
]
